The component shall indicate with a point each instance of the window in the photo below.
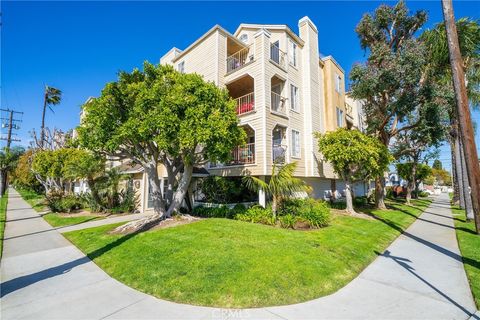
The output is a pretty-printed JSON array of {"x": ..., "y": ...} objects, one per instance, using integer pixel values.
[
  {"x": 294, "y": 105},
  {"x": 292, "y": 53},
  {"x": 181, "y": 67},
  {"x": 295, "y": 143},
  {"x": 338, "y": 83},
  {"x": 339, "y": 117},
  {"x": 244, "y": 38}
]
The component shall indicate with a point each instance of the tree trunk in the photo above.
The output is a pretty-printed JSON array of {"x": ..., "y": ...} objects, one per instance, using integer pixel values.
[
  {"x": 466, "y": 186},
  {"x": 169, "y": 192},
  {"x": 411, "y": 182},
  {"x": 274, "y": 207},
  {"x": 380, "y": 193},
  {"x": 158, "y": 205},
  {"x": 42, "y": 128},
  {"x": 348, "y": 196},
  {"x": 456, "y": 189},
  {"x": 459, "y": 171},
  {"x": 463, "y": 109},
  {"x": 181, "y": 191},
  {"x": 2, "y": 185}
]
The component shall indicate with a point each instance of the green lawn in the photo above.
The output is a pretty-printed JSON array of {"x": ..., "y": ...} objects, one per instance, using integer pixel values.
[
  {"x": 469, "y": 244},
  {"x": 3, "y": 218},
  {"x": 37, "y": 201},
  {"x": 56, "y": 220},
  {"x": 229, "y": 263}
]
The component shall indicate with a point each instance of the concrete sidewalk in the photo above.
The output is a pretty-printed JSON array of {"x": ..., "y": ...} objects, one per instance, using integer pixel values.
[
  {"x": 102, "y": 222},
  {"x": 420, "y": 276}
]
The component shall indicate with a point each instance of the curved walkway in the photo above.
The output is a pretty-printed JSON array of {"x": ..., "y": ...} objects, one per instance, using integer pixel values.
[{"x": 420, "y": 276}]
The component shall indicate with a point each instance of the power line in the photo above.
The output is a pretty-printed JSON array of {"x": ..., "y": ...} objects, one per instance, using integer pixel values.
[{"x": 10, "y": 123}]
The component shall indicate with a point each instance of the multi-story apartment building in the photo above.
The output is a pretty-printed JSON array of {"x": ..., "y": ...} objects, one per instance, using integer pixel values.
[{"x": 285, "y": 92}]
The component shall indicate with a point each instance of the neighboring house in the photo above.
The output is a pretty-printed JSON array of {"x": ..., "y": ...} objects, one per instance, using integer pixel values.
[
  {"x": 354, "y": 113},
  {"x": 284, "y": 92}
]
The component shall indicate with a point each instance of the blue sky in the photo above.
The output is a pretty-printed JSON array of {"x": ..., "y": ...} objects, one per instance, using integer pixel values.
[{"x": 80, "y": 46}]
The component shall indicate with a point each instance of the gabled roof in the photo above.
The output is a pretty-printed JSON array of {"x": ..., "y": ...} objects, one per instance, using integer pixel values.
[
  {"x": 282, "y": 27},
  {"x": 174, "y": 49},
  {"x": 209, "y": 32}
]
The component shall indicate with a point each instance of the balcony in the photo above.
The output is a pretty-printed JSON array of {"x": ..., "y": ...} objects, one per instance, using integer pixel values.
[
  {"x": 245, "y": 103},
  {"x": 243, "y": 154},
  {"x": 279, "y": 152},
  {"x": 278, "y": 104},
  {"x": 278, "y": 56},
  {"x": 239, "y": 59}
]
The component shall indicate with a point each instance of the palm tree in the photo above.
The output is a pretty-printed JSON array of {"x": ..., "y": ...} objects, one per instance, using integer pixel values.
[
  {"x": 52, "y": 97},
  {"x": 282, "y": 184}
]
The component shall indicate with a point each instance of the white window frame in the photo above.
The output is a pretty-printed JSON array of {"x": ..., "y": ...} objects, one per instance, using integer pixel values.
[
  {"x": 244, "y": 38},
  {"x": 294, "y": 98},
  {"x": 338, "y": 83},
  {"x": 181, "y": 67},
  {"x": 292, "y": 52},
  {"x": 296, "y": 146},
  {"x": 340, "y": 116}
]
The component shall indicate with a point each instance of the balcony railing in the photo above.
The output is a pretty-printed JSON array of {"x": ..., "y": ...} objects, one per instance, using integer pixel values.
[
  {"x": 239, "y": 59},
  {"x": 244, "y": 154},
  {"x": 277, "y": 55},
  {"x": 245, "y": 103},
  {"x": 279, "y": 152},
  {"x": 278, "y": 104}
]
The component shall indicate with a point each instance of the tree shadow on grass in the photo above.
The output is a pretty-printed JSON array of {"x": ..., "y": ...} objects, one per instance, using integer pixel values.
[{"x": 18, "y": 283}]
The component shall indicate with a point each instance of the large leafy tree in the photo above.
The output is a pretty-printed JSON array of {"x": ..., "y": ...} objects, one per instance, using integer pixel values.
[
  {"x": 160, "y": 116},
  {"x": 426, "y": 130},
  {"x": 23, "y": 175},
  {"x": 391, "y": 81},
  {"x": 49, "y": 167},
  {"x": 281, "y": 185},
  {"x": 354, "y": 157},
  {"x": 414, "y": 173}
]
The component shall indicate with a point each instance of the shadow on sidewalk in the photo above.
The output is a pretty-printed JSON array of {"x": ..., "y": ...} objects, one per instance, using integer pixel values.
[
  {"x": 10, "y": 286},
  {"x": 403, "y": 262},
  {"x": 451, "y": 254}
]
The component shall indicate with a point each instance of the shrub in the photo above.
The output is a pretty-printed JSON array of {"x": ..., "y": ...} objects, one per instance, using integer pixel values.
[
  {"x": 91, "y": 203},
  {"x": 223, "y": 190},
  {"x": 59, "y": 202},
  {"x": 360, "y": 201},
  {"x": 257, "y": 214},
  {"x": 389, "y": 192},
  {"x": 290, "y": 206},
  {"x": 423, "y": 194},
  {"x": 213, "y": 212},
  {"x": 128, "y": 201},
  {"x": 315, "y": 213},
  {"x": 340, "y": 205},
  {"x": 287, "y": 221}
]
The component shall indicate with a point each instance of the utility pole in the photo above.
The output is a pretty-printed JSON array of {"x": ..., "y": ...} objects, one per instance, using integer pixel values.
[
  {"x": 463, "y": 110},
  {"x": 11, "y": 124}
]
